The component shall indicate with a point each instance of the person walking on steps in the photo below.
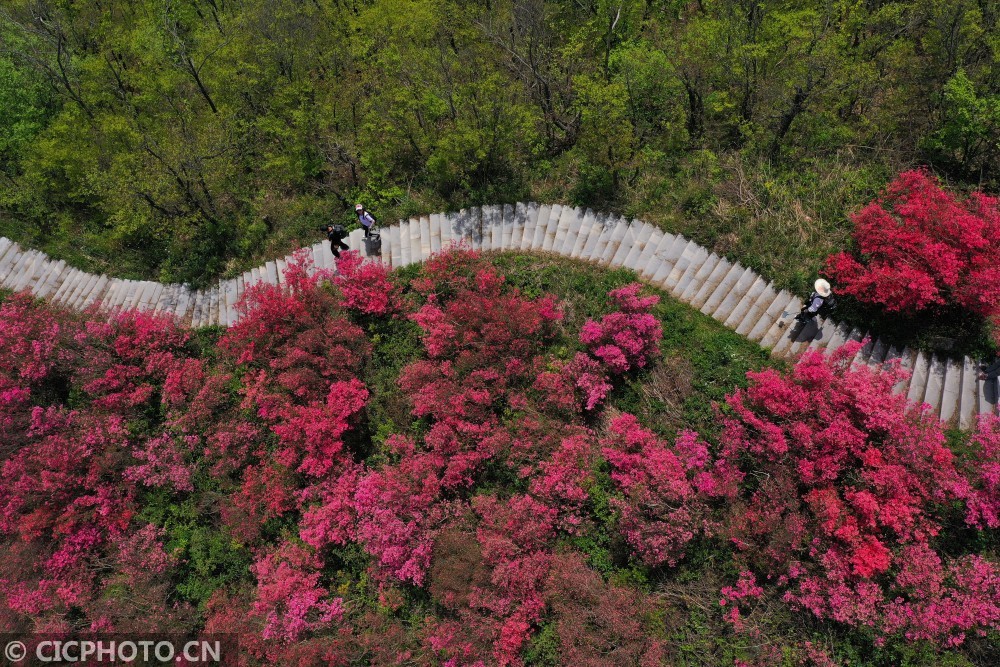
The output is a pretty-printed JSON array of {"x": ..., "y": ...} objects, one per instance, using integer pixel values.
[
  {"x": 367, "y": 220},
  {"x": 337, "y": 234},
  {"x": 821, "y": 300}
]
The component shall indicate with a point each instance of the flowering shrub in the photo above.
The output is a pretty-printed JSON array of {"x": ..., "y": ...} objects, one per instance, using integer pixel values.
[
  {"x": 984, "y": 475},
  {"x": 662, "y": 511},
  {"x": 365, "y": 286},
  {"x": 628, "y": 338},
  {"x": 251, "y": 489},
  {"x": 847, "y": 483},
  {"x": 921, "y": 247}
]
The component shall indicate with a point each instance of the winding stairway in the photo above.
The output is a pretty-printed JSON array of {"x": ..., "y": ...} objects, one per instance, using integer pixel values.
[{"x": 730, "y": 293}]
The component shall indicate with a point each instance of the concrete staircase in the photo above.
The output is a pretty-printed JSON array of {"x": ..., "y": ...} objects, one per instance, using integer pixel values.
[{"x": 728, "y": 292}]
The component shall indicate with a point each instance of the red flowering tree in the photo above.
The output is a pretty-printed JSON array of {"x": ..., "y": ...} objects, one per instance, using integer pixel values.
[{"x": 921, "y": 247}]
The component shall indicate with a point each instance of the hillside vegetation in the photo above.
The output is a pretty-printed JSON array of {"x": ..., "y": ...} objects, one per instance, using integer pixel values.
[
  {"x": 181, "y": 139},
  {"x": 479, "y": 462}
]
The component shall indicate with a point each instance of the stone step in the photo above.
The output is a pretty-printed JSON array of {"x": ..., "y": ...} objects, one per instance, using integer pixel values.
[
  {"x": 19, "y": 270},
  {"x": 680, "y": 264},
  {"x": 687, "y": 276},
  {"x": 988, "y": 403},
  {"x": 271, "y": 272},
  {"x": 742, "y": 308},
  {"x": 782, "y": 326},
  {"x": 551, "y": 226},
  {"x": 65, "y": 286},
  {"x": 518, "y": 221},
  {"x": 757, "y": 310},
  {"x": 425, "y": 237},
  {"x": 475, "y": 224},
  {"x": 6, "y": 246},
  {"x": 435, "y": 222},
  {"x": 493, "y": 228},
  {"x": 951, "y": 392},
  {"x": 391, "y": 245},
  {"x": 836, "y": 338},
  {"x": 145, "y": 287},
  {"x": 98, "y": 296},
  {"x": 642, "y": 234},
  {"x": 968, "y": 396},
  {"x": 935, "y": 384},
  {"x": 906, "y": 357},
  {"x": 507, "y": 227},
  {"x": 12, "y": 272},
  {"x": 700, "y": 276},
  {"x": 54, "y": 280},
  {"x": 492, "y": 219},
  {"x": 667, "y": 256},
  {"x": 121, "y": 294},
  {"x": 153, "y": 298},
  {"x": 416, "y": 244},
  {"x": 596, "y": 241},
  {"x": 110, "y": 293},
  {"x": 41, "y": 275},
  {"x": 879, "y": 351},
  {"x": 76, "y": 283},
  {"x": 587, "y": 221},
  {"x": 405, "y": 254},
  {"x": 574, "y": 226},
  {"x": 868, "y": 344},
  {"x": 131, "y": 293},
  {"x": 733, "y": 297},
  {"x": 87, "y": 285},
  {"x": 59, "y": 281},
  {"x": 736, "y": 272},
  {"x": 625, "y": 246},
  {"x": 566, "y": 219},
  {"x": 534, "y": 228},
  {"x": 211, "y": 307},
  {"x": 198, "y": 308},
  {"x": 215, "y": 312},
  {"x": 183, "y": 310},
  {"x": 648, "y": 263},
  {"x": 798, "y": 338},
  {"x": 680, "y": 250},
  {"x": 166, "y": 299},
  {"x": 614, "y": 235},
  {"x": 51, "y": 279},
  {"x": 768, "y": 321},
  {"x": 721, "y": 270},
  {"x": 918, "y": 381}
]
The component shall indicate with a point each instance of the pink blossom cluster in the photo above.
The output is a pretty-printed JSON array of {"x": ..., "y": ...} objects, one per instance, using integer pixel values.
[
  {"x": 848, "y": 485},
  {"x": 627, "y": 338}
]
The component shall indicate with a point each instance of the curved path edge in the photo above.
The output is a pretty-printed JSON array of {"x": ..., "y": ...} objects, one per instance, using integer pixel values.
[{"x": 732, "y": 294}]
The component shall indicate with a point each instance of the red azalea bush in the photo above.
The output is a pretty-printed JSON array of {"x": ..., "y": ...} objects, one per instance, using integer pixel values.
[
  {"x": 922, "y": 247},
  {"x": 243, "y": 488},
  {"x": 847, "y": 495}
]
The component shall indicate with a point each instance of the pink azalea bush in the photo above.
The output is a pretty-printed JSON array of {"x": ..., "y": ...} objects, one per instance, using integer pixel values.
[
  {"x": 848, "y": 486},
  {"x": 627, "y": 338},
  {"x": 255, "y": 486}
]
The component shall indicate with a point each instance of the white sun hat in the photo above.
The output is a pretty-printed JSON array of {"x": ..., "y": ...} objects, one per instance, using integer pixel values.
[{"x": 822, "y": 287}]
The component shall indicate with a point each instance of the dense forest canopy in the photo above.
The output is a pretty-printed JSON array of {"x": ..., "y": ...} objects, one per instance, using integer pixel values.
[{"x": 183, "y": 138}]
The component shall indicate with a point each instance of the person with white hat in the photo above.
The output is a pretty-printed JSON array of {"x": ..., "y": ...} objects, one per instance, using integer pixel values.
[
  {"x": 820, "y": 299},
  {"x": 366, "y": 219}
]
